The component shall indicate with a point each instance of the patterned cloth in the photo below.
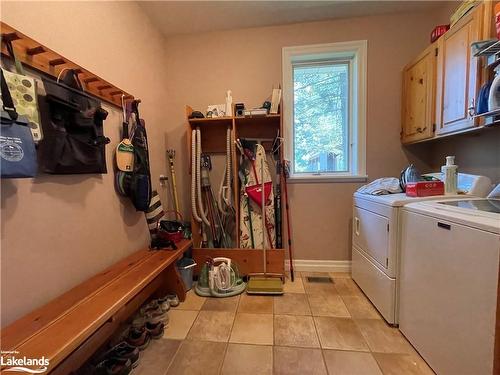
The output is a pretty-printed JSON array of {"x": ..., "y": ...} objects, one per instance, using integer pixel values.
[{"x": 255, "y": 211}]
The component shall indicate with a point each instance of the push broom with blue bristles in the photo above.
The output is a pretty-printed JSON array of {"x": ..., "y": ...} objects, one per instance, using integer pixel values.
[{"x": 264, "y": 283}]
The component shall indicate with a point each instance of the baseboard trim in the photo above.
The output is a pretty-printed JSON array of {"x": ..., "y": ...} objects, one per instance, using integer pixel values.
[{"x": 307, "y": 265}]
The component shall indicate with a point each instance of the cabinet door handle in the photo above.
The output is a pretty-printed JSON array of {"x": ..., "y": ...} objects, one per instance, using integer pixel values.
[
  {"x": 444, "y": 226},
  {"x": 357, "y": 225},
  {"x": 472, "y": 108}
]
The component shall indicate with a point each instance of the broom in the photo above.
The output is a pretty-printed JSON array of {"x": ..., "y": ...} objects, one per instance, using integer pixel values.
[{"x": 265, "y": 283}]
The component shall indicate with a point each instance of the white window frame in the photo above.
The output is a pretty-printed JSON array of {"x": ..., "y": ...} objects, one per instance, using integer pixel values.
[{"x": 356, "y": 53}]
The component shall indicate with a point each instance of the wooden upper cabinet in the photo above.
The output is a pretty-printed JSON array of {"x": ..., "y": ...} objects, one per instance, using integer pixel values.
[
  {"x": 419, "y": 84},
  {"x": 458, "y": 74}
]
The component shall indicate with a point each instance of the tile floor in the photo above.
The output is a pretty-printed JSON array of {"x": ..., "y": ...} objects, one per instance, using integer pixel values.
[{"x": 315, "y": 328}]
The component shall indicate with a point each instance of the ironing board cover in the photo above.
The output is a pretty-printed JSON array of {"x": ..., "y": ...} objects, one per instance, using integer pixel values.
[{"x": 255, "y": 210}]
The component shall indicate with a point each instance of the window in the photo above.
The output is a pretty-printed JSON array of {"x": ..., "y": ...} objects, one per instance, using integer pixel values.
[{"x": 324, "y": 96}]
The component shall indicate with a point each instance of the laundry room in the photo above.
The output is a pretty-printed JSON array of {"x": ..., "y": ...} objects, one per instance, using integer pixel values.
[{"x": 250, "y": 187}]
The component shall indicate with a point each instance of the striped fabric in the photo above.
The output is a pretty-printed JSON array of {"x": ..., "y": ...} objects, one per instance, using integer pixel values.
[{"x": 154, "y": 212}]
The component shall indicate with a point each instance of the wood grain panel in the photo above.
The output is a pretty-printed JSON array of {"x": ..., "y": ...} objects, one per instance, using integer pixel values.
[{"x": 37, "y": 56}]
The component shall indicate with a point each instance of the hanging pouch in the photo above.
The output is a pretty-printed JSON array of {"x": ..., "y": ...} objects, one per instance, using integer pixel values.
[
  {"x": 24, "y": 93},
  {"x": 140, "y": 182},
  {"x": 17, "y": 148},
  {"x": 74, "y": 139}
]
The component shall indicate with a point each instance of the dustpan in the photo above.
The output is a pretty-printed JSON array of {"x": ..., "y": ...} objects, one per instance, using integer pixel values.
[
  {"x": 264, "y": 283},
  {"x": 254, "y": 192}
]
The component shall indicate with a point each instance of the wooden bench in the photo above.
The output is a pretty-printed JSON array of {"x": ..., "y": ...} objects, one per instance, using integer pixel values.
[{"x": 70, "y": 328}]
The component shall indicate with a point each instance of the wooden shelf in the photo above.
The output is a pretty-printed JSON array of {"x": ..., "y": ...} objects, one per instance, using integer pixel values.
[
  {"x": 213, "y": 140},
  {"x": 41, "y": 58}
]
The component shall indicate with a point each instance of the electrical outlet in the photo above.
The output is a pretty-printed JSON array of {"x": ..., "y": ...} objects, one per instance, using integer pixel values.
[{"x": 163, "y": 180}]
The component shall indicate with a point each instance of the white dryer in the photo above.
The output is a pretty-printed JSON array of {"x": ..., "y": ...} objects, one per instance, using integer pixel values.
[{"x": 376, "y": 241}]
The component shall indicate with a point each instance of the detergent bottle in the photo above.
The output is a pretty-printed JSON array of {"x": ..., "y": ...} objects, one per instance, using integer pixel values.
[{"x": 450, "y": 172}]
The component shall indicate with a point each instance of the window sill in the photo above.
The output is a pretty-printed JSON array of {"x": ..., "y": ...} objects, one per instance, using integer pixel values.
[{"x": 321, "y": 179}]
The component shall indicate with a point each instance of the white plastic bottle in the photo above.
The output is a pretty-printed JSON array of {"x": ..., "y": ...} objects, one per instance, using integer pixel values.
[
  {"x": 229, "y": 103},
  {"x": 450, "y": 172}
]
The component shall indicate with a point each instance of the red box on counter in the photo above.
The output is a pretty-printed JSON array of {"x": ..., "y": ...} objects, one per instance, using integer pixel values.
[
  {"x": 438, "y": 31},
  {"x": 424, "y": 188}
]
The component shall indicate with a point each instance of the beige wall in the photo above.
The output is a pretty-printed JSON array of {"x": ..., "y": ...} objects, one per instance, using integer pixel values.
[
  {"x": 59, "y": 230},
  {"x": 248, "y": 62},
  {"x": 476, "y": 154}
]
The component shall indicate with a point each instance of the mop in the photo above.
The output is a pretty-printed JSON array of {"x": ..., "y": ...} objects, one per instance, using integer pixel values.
[{"x": 265, "y": 283}]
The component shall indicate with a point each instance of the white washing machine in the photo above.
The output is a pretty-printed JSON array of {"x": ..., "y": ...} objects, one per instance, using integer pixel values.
[
  {"x": 449, "y": 283},
  {"x": 376, "y": 241}
]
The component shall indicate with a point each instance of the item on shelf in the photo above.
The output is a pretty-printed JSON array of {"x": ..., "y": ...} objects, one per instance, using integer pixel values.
[
  {"x": 216, "y": 110},
  {"x": 266, "y": 283},
  {"x": 172, "y": 230},
  {"x": 74, "y": 140},
  {"x": 494, "y": 92},
  {"x": 159, "y": 243},
  {"x": 229, "y": 103},
  {"x": 171, "y": 158},
  {"x": 382, "y": 186},
  {"x": 424, "y": 188},
  {"x": 224, "y": 196},
  {"x": 18, "y": 157},
  {"x": 244, "y": 180},
  {"x": 137, "y": 184},
  {"x": 450, "y": 172},
  {"x": 267, "y": 105},
  {"x": 197, "y": 207},
  {"x": 409, "y": 174},
  {"x": 275, "y": 150},
  {"x": 196, "y": 114},
  {"x": 462, "y": 10},
  {"x": 172, "y": 299},
  {"x": 114, "y": 365},
  {"x": 123, "y": 351},
  {"x": 23, "y": 90},
  {"x": 254, "y": 154},
  {"x": 255, "y": 112},
  {"x": 239, "y": 109},
  {"x": 438, "y": 32},
  {"x": 125, "y": 150},
  {"x": 125, "y": 155},
  {"x": 155, "y": 330},
  {"x": 275, "y": 101},
  {"x": 219, "y": 277},
  {"x": 219, "y": 237},
  {"x": 482, "y": 98},
  {"x": 154, "y": 212},
  {"x": 480, "y": 47},
  {"x": 138, "y": 337},
  {"x": 185, "y": 268}
]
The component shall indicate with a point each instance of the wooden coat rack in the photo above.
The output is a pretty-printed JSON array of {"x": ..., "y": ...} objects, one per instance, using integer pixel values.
[{"x": 35, "y": 55}]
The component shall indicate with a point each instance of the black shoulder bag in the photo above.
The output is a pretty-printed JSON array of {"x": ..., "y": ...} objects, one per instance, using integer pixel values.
[{"x": 74, "y": 140}]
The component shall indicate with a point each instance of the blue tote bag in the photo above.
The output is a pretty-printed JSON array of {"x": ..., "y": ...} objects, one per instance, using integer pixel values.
[{"x": 18, "y": 157}]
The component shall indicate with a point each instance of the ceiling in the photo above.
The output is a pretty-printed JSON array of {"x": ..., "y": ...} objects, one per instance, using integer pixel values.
[{"x": 189, "y": 17}]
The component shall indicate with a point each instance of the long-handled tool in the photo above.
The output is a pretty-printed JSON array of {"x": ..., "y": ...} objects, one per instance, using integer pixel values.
[
  {"x": 171, "y": 158},
  {"x": 277, "y": 194},
  {"x": 254, "y": 191},
  {"x": 290, "y": 252},
  {"x": 265, "y": 283}
]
